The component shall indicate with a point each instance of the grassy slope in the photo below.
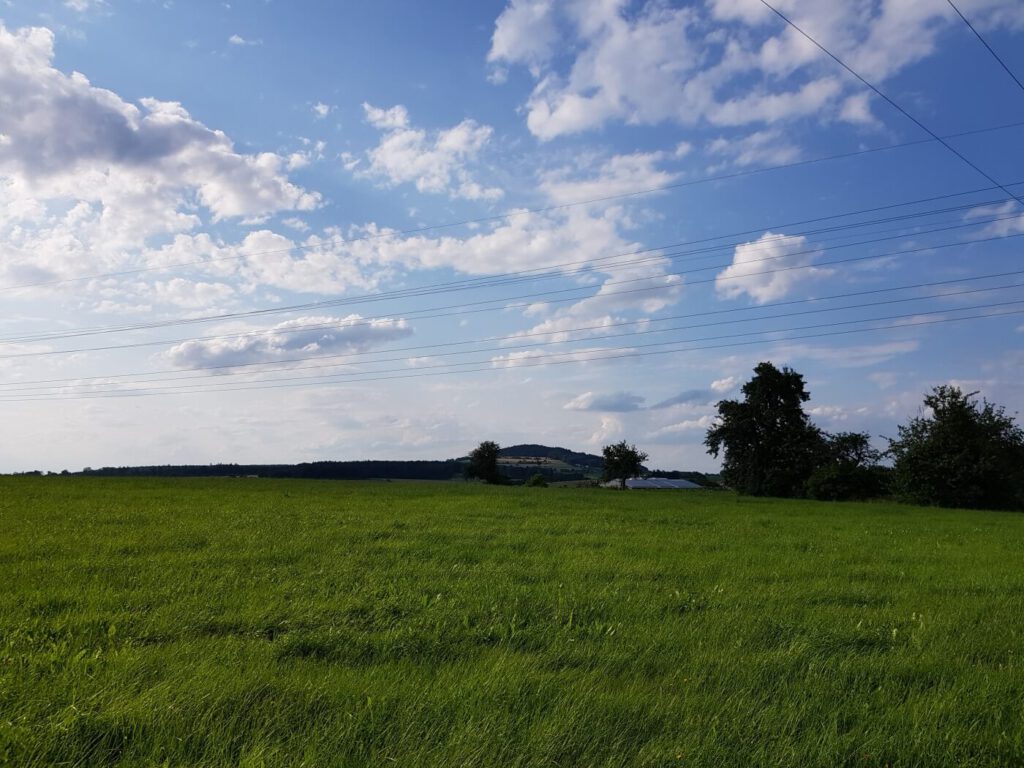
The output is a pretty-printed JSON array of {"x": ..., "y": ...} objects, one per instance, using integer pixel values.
[{"x": 255, "y": 622}]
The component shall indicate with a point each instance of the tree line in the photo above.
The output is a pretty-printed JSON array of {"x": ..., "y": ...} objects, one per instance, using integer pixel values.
[
  {"x": 620, "y": 461},
  {"x": 315, "y": 470},
  {"x": 958, "y": 452}
]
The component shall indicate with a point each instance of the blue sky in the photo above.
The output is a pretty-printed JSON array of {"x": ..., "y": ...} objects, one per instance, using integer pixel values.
[{"x": 275, "y": 232}]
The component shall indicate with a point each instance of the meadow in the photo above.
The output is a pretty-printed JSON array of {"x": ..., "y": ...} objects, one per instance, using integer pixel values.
[{"x": 242, "y": 622}]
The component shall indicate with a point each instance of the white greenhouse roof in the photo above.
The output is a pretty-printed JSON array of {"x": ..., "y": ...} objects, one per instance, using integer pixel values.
[{"x": 659, "y": 482}]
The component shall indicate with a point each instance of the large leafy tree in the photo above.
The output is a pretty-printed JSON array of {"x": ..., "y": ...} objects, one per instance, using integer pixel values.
[
  {"x": 768, "y": 444},
  {"x": 483, "y": 463},
  {"x": 622, "y": 461},
  {"x": 964, "y": 454}
]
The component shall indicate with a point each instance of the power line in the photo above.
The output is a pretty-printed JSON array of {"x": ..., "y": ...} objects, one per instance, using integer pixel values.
[
  {"x": 335, "y": 376},
  {"x": 891, "y": 102},
  {"x": 554, "y": 270},
  {"x": 934, "y": 137},
  {"x": 534, "y": 295},
  {"x": 105, "y": 381},
  {"x": 463, "y": 307},
  {"x": 525, "y": 212},
  {"x": 984, "y": 42},
  {"x": 683, "y": 256},
  {"x": 538, "y": 273},
  {"x": 630, "y": 353},
  {"x": 707, "y": 313}
]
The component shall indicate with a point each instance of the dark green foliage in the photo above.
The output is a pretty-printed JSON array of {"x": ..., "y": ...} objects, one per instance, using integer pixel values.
[
  {"x": 834, "y": 482},
  {"x": 848, "y": 469},
  {"x": 851, "y": 450},
  {"x": 522, "y": 473},
  {"x": 483, "y": 463},
  {"x": 537, "y": 481},
  {"x": 769, "y": 445},
  {"x": 579, "y": 466},
  {"x": 622, "y": 461},
  {"x": 964, "y": 454},
  {"x": 316, "y": 470}
]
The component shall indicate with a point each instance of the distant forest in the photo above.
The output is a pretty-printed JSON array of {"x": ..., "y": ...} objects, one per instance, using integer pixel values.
[
  {"x": 316, "y": 470},
  {"x": 569, "y": 466},
  {"x": 452, "y": 469},
  {"x": 580, "y": 466}
]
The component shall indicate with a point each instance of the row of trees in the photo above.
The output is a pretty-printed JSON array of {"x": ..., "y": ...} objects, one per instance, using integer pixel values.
[
  {"x": 621, "y": 461},
  {"x": 957, "y": 453}
]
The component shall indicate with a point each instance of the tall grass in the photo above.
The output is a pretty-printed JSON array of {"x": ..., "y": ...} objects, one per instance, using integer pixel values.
[{"x": 285, "y": 623}]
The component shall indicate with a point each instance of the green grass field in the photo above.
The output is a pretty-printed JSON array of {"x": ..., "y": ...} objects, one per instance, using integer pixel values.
[{"x": 288, "y": 623}]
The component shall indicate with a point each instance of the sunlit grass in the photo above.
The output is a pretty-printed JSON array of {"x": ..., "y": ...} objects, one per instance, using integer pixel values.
[{"x": 284, "y": 623}]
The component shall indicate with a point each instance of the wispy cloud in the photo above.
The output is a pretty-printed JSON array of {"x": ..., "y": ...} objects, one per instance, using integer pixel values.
[
  {"x": 84, "y": 5},
  {"x": 241, "y": 41},
  {"x": 619, "y": 175},
  {"x": 689, "y": 397},
  {"x": 615, "y": 402}
]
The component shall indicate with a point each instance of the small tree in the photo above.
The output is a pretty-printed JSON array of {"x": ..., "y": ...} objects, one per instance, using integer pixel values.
[
  {"x": 622, "y": 461},
  {"x": 769, "y": 444},
  {"x": 962, "y": 455},
  {"x": 483, "y": 463}
]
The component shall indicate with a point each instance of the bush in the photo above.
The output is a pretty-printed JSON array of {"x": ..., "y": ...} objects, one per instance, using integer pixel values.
[
  {"x": 835, "y": 482},
  {"x": 537, "y": 481}
]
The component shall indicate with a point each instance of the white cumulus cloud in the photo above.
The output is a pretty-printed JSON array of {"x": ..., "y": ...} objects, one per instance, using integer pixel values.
[
  {"x": 87, "y": 178},
  {"x": 724, "y": 385},
  {"x": 525, "y": 33},
  {"x": 732, "y": 62},
  {"x": 437, "y": 163},
  {"x": 768, "y": 268}
]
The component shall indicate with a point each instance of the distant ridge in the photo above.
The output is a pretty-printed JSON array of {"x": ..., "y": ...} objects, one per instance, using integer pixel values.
[{"x": 575, "y": 458}]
